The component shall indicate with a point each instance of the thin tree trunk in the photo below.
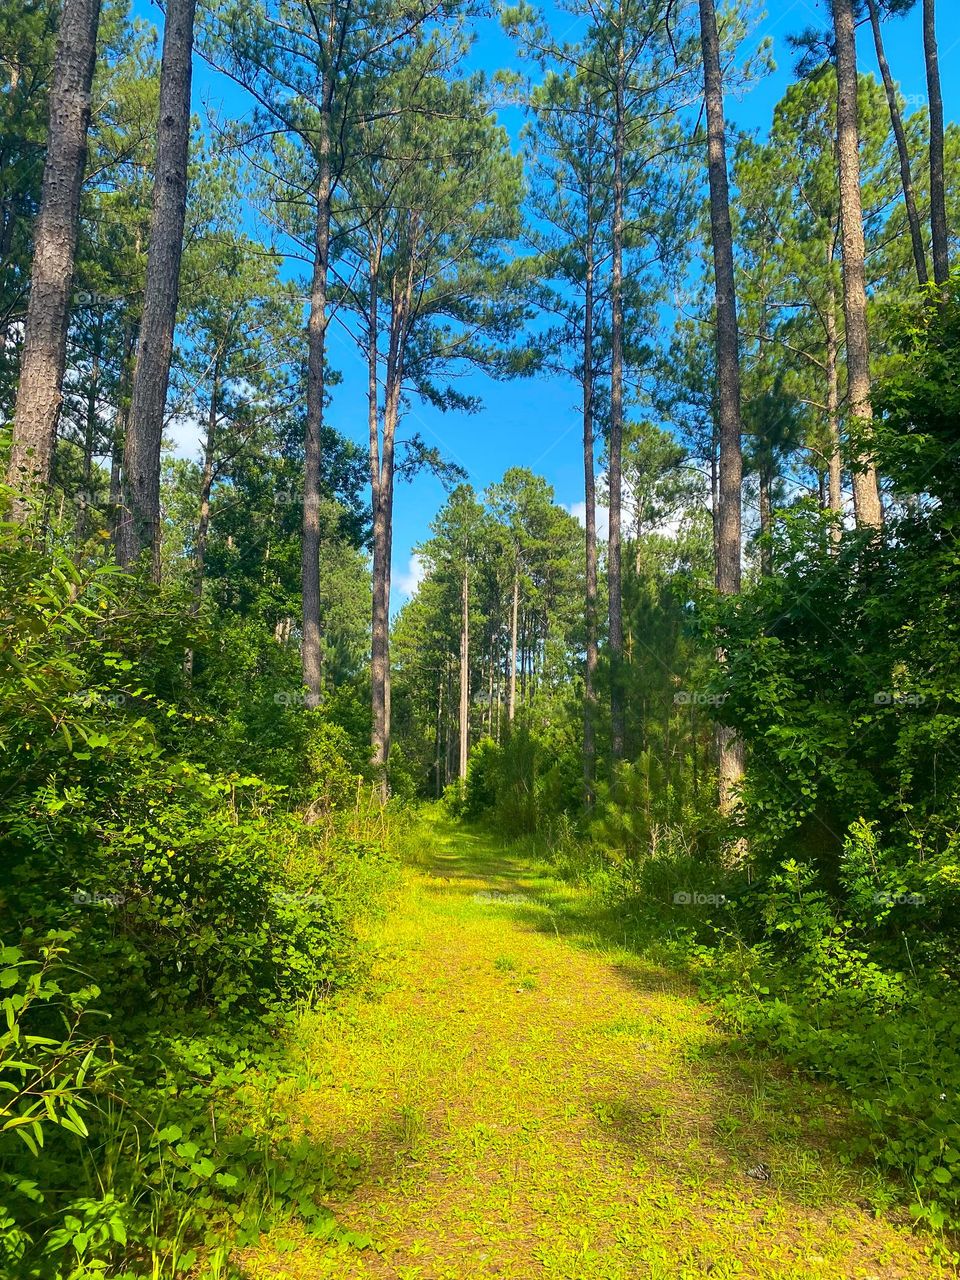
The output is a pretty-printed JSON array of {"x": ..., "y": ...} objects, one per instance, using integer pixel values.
[
  {"x": 91, "y": 417},
  {"x": 499, "y": 688},
  {"x": 590, "y": 521},
  {"x": 766, "y": 524},
  {"x": 311, "y": 656},
  {"x": 896, "y": 119},
  {"x": 465, "y": 675},
  {"x": 206, "y": 486},
  {"x": 514, "y": 612},
  {"x": 377, "y": 657},
  {"x": 615, "y": 475},
  {"x": 490, "y": 672},
  {"x": 203, "y": 522},
  {"x": 938, "y": 190},
  {"x": 866, "y": 492},
  {"x": 449, "y": 756},
  {"x": 835, "y": 463},
  {"x": 438, "y": 784},
  {"x": 523, "y": 656},
  {"x": 729, "y": 514},
  {"x": 382, "y": 479},
  {"x": 120, "y": 423},
  {"x": 54, "y": 250},
  {"x": 139, "y": 529},
  {"x": 715, "y": 497}
]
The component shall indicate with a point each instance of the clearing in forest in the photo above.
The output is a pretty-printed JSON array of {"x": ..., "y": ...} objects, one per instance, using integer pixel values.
[{"x": 526, "y": 1100}]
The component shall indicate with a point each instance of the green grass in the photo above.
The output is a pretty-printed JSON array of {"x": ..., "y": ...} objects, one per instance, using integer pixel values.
[{"x": 525, "y": 1098}]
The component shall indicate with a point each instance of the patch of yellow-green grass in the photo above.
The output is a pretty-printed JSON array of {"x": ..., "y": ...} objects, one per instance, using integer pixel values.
[{"x": 524, "y": 1105}]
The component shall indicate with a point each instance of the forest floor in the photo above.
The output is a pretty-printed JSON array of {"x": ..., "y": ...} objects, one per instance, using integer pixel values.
[{"x": 524, "y": 1099}]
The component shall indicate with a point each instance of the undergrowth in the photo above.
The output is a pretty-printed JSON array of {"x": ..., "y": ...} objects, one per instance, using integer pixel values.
[
  {"x": 164, "y": 918},
  {"x": 853, "y": 997}
]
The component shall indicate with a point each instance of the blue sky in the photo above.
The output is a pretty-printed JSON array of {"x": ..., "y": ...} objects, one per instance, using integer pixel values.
[{"x": 534, "y": 422}]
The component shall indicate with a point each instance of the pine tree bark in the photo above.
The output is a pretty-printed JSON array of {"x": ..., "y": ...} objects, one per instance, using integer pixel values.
[
  {"x": 206, "y": 486},
  {"x": 119, "y": 427},
  {"x": 438, "y": 753},
  {"x": 382, "y": 484},
  {"x": 465, "y": 674},
  {"x": 491, "y": 668},
  {"x": 139, "y": 529},
  {"x": 91, "y": 418},
  {"x": 896, "y": 120},
  {"x": 311, "y": 652},
  {"x": 514, "y": 626},
  {"x": 866, "y": 492},
  {"x": 835, "y": 490},
  {"x": 590, "y": 521},
  {"x": 615, "y": 472},
  {"x": 938, "y": 191},
  {"x": 766, "y": 523},
  {"x": 203, "y": 520},
  {"x": 730, "y": 480},
  {"x": 43, "y": 363}
]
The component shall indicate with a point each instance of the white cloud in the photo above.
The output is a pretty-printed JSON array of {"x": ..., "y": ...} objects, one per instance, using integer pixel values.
[
  {"x": 183, "y": 437},
  {"x": 579, "y": 512},
  {"x": 406, "y": 581}
]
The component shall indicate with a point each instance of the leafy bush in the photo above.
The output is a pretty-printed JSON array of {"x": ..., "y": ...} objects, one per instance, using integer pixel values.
[
  {"x": 199, "y": 908},
  {"x": 522, "y": 783}
]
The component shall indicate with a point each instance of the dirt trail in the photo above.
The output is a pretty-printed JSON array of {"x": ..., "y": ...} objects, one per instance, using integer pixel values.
[{"x": 524, "y": 1105}]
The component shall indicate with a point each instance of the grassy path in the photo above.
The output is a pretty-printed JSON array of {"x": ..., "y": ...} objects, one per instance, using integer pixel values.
[{"x": 528, "y": 1103}]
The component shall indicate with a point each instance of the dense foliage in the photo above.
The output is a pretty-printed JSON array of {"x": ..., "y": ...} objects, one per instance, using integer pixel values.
[
  {"x": 723, "y": 687},
  {"x": 172, "y": 911}
]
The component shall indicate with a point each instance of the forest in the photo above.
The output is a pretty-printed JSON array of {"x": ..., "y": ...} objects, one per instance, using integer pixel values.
[{"x": 583, "y": 901}]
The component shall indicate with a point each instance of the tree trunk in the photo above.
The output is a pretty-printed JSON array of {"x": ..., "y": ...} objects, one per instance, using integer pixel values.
[
  {"x": 835, "y": 463},
  {"x": 119, "y": 428},
  {"x": 514, "y": 612},
  {"x": 715, "y": 497},
  {"x": 490, "y": 677},
  {"x": 203, "y": 522},
  {"x": 615, "y": 475},
  {"x": 87, "y": 498},
  {"x": 766, "y": 524},
  {"x": 938, "y": 193},
  {"x": 54, "y": 250},
  {"x": 729, "y": 514},
  {"x": 206, "y": 486},
  {"x": 896, "y": 119},
  {"x": 523, "y": 656},
  {"x": 498, "y": 682},
  {"x": 465, "y": 675},
  {"x": 140, "y": 526},
  {"x": 590, "y": 521},
  {"x": 866, "y": 493},
  {"x": 311, "y": 656},
  {"x": 382, "y": 478},
  {"x": 438, "y": 753}
]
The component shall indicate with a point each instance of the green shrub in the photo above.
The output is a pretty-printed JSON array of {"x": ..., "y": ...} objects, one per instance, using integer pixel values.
[{"x": 201, "y": 908}]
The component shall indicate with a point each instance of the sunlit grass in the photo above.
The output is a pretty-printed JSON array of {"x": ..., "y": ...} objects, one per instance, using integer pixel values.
[{"x": 524, "y": 1097}]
